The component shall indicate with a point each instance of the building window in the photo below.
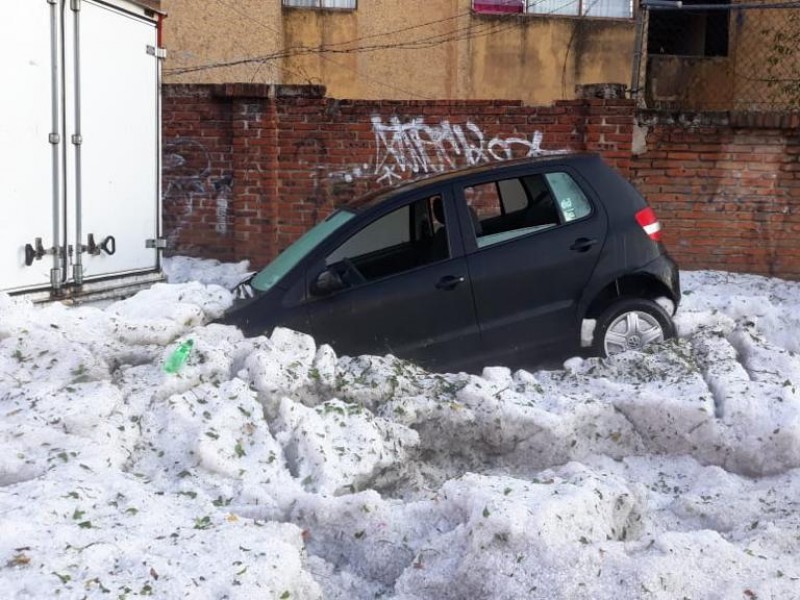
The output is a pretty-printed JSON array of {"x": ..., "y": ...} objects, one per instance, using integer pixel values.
[
  {"x": 689, "y": 32},
  {"x": 619, "y": 9},
  {"x": 333, "y": 4},
  {"x": 615, "y": 9}
]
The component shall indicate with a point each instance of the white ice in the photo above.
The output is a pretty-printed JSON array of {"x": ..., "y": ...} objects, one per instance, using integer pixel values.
[{"x": 271, "y": 468}]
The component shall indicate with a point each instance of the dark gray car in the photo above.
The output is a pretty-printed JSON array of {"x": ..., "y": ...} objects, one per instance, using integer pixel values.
[{"x": 498, "y": 264}]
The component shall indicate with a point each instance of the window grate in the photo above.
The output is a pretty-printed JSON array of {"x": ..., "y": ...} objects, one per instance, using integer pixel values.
[
  {"x": 327, "y": 4},
  {"x": 613, "y": 9}
]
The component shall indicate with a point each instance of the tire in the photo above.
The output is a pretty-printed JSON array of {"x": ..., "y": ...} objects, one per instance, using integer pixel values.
[{"x": 631, "y": 324}]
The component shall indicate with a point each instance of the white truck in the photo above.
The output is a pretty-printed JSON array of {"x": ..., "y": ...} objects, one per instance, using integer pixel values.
[{"x": 79, "y": 147}]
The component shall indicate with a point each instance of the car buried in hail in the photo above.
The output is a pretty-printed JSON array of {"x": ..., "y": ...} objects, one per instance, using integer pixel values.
[{"x": 508, "y": 263}]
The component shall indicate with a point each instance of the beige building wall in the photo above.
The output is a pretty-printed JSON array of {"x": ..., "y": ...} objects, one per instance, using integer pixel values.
[
  {"x": 202, "y": 37},
  {"x": 390, "y": 49}
]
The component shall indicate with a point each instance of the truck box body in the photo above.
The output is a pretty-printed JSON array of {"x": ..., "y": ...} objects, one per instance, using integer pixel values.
[{"x": 79, "y": 146}]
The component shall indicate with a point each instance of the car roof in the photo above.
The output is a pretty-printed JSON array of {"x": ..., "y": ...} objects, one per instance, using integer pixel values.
[{"x": 376, "y": 197}]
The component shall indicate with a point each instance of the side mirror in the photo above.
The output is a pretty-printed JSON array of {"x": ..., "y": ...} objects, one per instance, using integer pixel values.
[
  {"x": 244, "y": 290},
  {"x": 326, "y": 283}
]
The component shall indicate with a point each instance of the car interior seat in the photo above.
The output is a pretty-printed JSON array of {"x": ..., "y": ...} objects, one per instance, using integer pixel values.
[
  {"x": 541, "y": 211},
  {"x": 439, "y": 248}
]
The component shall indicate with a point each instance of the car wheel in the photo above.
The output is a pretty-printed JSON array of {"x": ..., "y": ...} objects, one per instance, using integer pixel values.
[{"x": 631, "y": 324}]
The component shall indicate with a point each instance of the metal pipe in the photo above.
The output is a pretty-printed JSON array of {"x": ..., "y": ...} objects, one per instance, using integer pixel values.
[
  {"x": 641, "y": 15},
  {"x": 159, "y": 133},
  {"x": 77, "y": 269},
  {"x": 55, "y": 143}
]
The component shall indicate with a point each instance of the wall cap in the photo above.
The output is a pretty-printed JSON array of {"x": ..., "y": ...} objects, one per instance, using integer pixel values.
[
  {"x": 603, "y": 91},
  {"x": 267, "y": 90},
  {"x": 736, "y": 119}
]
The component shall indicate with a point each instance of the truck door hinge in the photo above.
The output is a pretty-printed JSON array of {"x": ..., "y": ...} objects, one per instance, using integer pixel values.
[
  {"x": 157, "y": 52},
  {"x": 55, "y": 279},
  {"x": 158, "y": 243},
  {"x": 77, "y": 139},
  {"x": 54, "y": 138}
]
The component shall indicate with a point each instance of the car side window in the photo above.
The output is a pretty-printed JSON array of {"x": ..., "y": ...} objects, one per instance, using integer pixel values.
[
  {"x": 509, "y": 208},
  {"x": 389, "y": 231},
  {"x": 408, "y": 237},
  {"x": 505, "y": 209}
]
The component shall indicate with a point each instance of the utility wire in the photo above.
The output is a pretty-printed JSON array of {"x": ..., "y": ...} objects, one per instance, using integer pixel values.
[
  {"x": 402, "y": 30},
  {"x": 336, "y": 63},
  {"x": 461, "y": 33},
  {"x": 416, "y": 44},
  {"x": 435, "y": 39},
  {"x": 419, "y": 44}
]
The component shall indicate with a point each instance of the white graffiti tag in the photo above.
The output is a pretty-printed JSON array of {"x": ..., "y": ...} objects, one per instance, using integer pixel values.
[
  {"x": 189, "y": 184},
  {"x": 416, "y": 148}
]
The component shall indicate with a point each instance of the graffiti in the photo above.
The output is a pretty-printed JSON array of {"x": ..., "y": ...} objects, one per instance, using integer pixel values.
[
  {"x": 416, "y": 148},
  {"x": 223, "y": 189},
  {"x": 350, "y": 175},
  {"x": 189, "y": 185}
]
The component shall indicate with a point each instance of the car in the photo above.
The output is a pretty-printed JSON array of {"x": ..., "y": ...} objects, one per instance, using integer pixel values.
[{"x": 505, "y": 263}]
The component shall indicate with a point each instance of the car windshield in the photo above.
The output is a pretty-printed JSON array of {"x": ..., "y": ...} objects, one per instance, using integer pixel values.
[{"x": 287, "y": 259}]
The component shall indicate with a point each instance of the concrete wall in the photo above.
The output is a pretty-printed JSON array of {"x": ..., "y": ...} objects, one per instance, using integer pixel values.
[{"x": 415, "y": 49}]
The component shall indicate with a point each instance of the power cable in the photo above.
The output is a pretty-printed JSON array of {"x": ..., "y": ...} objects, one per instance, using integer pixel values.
[
  {"x": 340, "y": 65},
  {"x": 419, "y": 43},
  {"x": 470, "y": 31}
]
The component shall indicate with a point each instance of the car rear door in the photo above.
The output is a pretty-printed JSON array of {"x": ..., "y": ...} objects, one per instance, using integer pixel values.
[
  {"x": 409, "y": 292},
  {"x": 530, "y": 262}
]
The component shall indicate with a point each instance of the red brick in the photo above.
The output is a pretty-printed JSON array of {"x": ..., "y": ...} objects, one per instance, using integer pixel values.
[{"x": 742, "y": 184}]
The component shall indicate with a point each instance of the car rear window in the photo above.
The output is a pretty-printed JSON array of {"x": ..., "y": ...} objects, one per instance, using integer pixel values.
[{"x": 570, "y": 198}]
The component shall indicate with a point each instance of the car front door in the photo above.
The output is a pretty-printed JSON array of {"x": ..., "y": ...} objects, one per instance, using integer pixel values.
[
  {"x": 532, "y": 247},
  {"x": 402, "y": 287}
]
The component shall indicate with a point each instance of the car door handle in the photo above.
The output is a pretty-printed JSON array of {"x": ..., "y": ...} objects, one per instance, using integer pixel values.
[
  {"x": 449, "y": 282},
  {"x": 582, "y": 244}
]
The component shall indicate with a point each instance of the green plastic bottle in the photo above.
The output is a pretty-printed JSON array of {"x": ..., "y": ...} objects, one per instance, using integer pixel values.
[{"x": 178, "y": 358}]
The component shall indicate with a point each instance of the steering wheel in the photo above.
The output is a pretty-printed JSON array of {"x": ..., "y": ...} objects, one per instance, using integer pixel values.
[{"x": 354, "y": 273}]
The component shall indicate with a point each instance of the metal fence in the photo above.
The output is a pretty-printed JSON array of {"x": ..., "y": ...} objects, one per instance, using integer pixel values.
[
  {"x": 619, "y": 9},
  {"x": 735, "y": 57}
]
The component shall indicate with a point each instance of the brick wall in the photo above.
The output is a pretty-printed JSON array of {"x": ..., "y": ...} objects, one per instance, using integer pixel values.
[
  {"x": 726, "y": 187},
  {"x": 197, "y": 173},
  {"x": 248, "y": 168}
]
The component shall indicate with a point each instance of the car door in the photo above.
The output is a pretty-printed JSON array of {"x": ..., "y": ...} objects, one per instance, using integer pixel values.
[
  {"x": 532, "y": 248},
  {"x": 406, "y": 287}
]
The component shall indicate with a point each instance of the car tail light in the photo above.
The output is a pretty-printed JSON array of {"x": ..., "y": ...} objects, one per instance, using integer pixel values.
[{"x": 650, "y": 223}]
